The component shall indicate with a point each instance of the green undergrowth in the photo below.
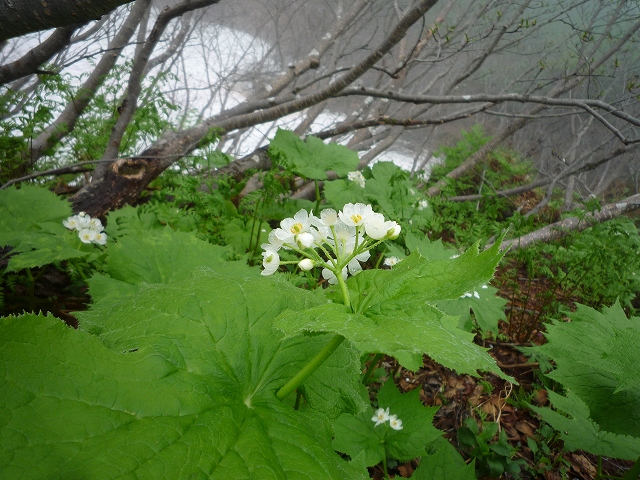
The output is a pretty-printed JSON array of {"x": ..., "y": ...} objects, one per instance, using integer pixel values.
[{"x": 179, "y": 363}]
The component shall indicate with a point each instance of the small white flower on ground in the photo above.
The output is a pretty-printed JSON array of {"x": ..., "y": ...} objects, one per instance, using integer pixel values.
[
  {"x": 95, "y": 224},
  {"x": 306, "y": 264},
  {"x": 83, "y": 220},
  {"x": 356, "y": 177},
  {"x": 71, "y": 223},
  {"x": 395, "y": 422},
  {"x": 270, "y": 262},
  {"x": 87, "y": 235},
  {"x": 355, "y": 214},
  {"x": 391, "y": 261},
  {"x": 422, "y": 204},
  {"x": 101, "y": 238},
  {"x": 381, "y": 416}
]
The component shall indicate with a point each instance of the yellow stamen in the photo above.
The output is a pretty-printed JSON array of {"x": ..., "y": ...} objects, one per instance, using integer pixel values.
[{"x": 296, "y": 228}]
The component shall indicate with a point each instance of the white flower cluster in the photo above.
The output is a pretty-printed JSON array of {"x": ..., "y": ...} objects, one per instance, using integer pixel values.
[
  {"x": 474, "y": 294},
  {"x": 336, "y": 241},
  {"x": 356, "y": 177},
  {"x": 382, "y": 415},
  {"x": 90, "y": 230}
]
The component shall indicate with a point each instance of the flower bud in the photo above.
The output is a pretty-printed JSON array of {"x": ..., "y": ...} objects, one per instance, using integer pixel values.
[
  {"x": 394, "y": 231},
  {"x": 304, "y": 240},
  {"x": 306, "y": 264}
]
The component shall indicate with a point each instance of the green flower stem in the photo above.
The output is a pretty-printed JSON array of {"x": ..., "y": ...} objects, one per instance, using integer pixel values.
[
  {"x": 343, "y": 288},
  {"x": 384, "y": 467},
  {"x": 310, "y": 367},
  {"x": 321, "y": 356}
]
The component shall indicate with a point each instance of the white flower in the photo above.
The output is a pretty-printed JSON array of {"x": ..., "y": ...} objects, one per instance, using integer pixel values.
[
  {"x": 270, "y": 261},
  {"x": 71, "y": 223},
  {"x": 356, "y": 177},
  {"x": 298, "y": 224},
  {"x": 328, "y": 217},
  {"x": 469, "y": 295},
  {"x": 330, "y": 276},
  {"x": 95, "y": 224},
  {"x": 395, "y": 422},
  {"x": 381, "y": 416},
  {"x": 321, "y": 234},
  {"x": 377, "y": 228},
  {"x": 87, "y": 235},
  {"x": 101, "y": 238},
  {"x": 355, "y": 214},
  {"x": 274, "y": 242},
  {"x": 305, "y": 240},
  {"x": 422, "y": 204},
  {"x": 306, "y": 264},
  {"x": 391, "y": 261},
  {"x": 83, "y": 220}
]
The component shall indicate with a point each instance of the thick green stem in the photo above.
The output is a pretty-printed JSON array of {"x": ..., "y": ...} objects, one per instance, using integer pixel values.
[
  {"x": 384, "y": 467},
  {"x": 321, "y": 356},
  {"x": 343, "y": 288},
  {"x": 310, "y": 367}
]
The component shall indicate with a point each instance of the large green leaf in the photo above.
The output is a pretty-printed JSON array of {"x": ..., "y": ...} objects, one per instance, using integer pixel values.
[
  {"x": 160, "y": 256},
  {"x": 579, "y": 432},
  {"x": 393, "y": 312},
  {"x": 313, "y": 158},
  {"x": 356, "y": 434},
  {"x": 179, "y": 382},
  {"x": 31, "y": 222},
  {"x": 597, "y": 361},
  {"x": 22, "y": 210},
  {"x": 166, "y": 256},
  {"x": 389, "y": 187},
  {"x": 487, "y": 306}
]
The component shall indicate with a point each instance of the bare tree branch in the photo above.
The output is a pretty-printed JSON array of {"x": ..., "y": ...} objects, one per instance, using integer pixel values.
[
  {"x": 573, "y": 224},
  {"x": 25, "y": 16},
  {"x": 29, "y": 62},
  {"x": 66, "y": 121}
]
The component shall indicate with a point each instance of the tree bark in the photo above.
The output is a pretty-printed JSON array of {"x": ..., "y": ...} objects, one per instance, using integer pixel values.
[
  {"x": 573, "y": 224},
  {"x": 20, "y": 17}
]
